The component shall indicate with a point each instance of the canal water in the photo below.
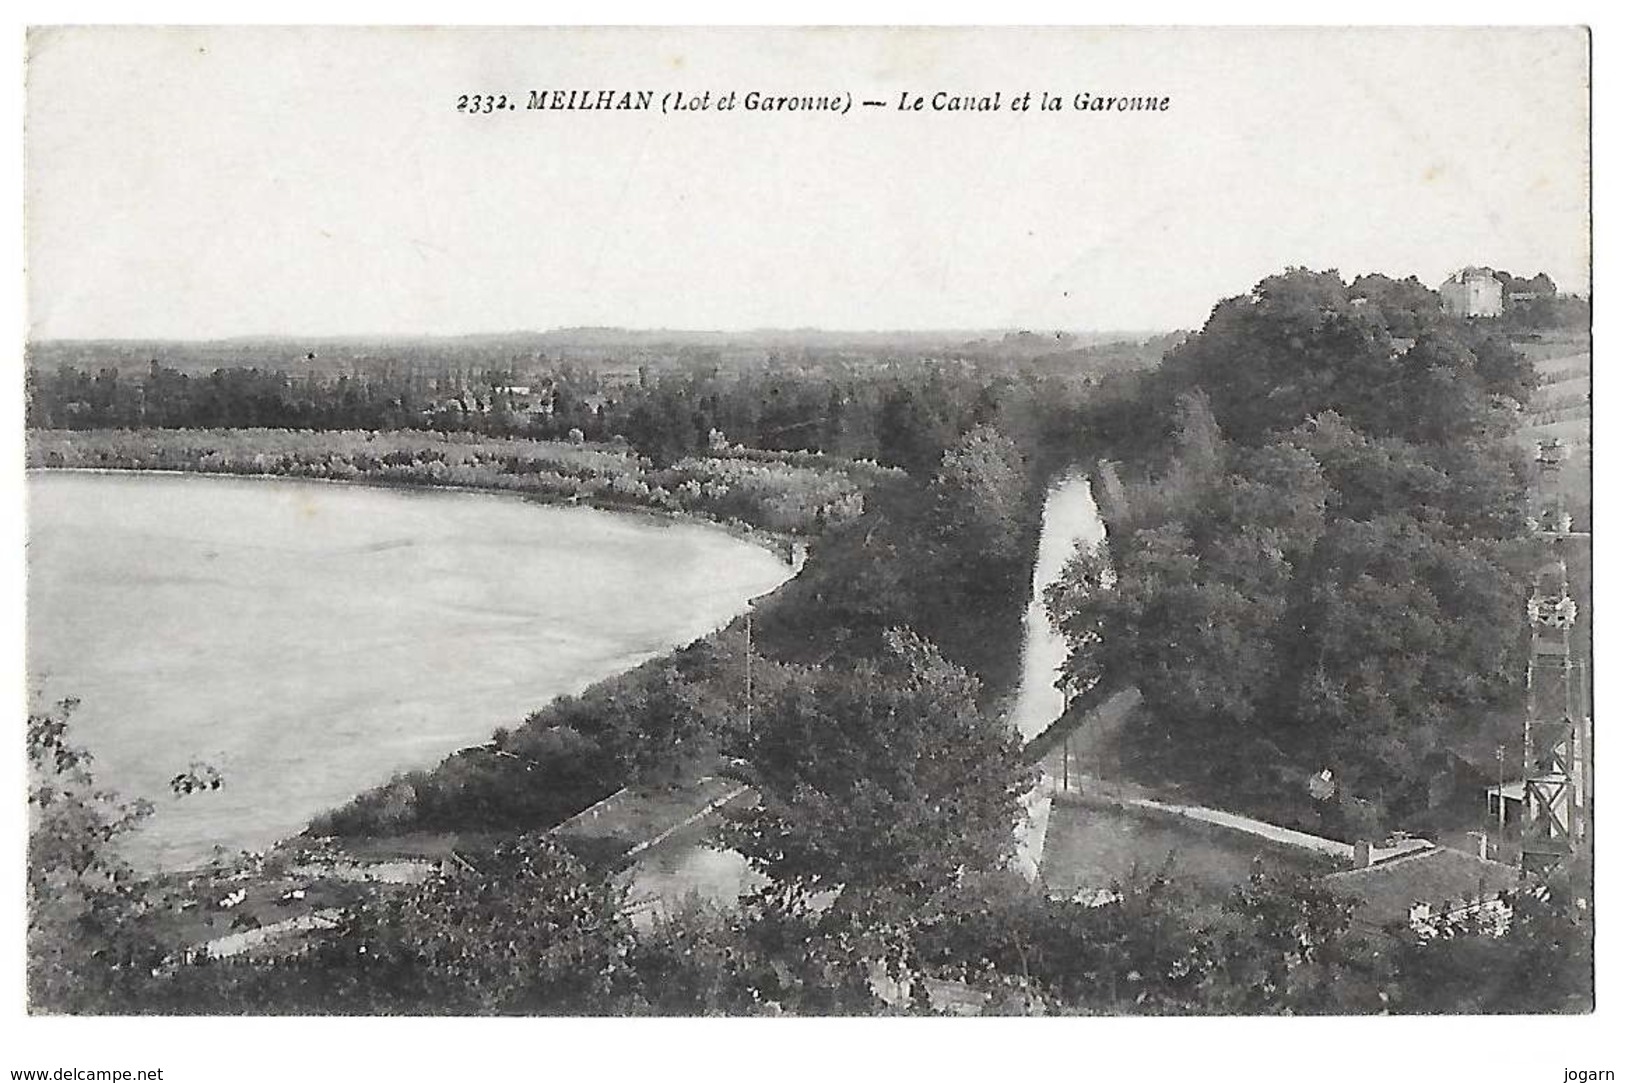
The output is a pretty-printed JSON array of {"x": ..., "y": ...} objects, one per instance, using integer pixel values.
[{"x": 1070, "y": 518}]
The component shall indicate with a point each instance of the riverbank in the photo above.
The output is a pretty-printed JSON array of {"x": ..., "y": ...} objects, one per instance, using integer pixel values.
[
  {"x": 789, "y": 548},
  {"x": 783, "y": 495}
]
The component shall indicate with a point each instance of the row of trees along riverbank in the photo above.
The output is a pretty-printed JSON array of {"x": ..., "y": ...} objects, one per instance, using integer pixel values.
[{"x": 783, "y": 492}]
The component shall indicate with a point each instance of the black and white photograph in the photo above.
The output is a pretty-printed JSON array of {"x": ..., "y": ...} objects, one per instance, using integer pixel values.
[{"x": 707, "y": 521}]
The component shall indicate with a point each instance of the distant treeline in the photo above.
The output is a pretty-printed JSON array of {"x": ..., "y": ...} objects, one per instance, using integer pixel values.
[
  {"x": 897, "y": 412},
  {"x": 609, "y": 351}
]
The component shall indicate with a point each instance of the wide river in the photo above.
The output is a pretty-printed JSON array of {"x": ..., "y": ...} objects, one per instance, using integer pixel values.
[{"x": 310, "y": 639}]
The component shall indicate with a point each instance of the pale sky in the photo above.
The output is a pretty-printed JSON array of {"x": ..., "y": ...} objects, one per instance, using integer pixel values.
[{"x": 203, "y": 183}]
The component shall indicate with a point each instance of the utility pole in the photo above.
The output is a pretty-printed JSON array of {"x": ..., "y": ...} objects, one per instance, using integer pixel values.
[
  {"x": 749, "y": 724},
  {"x": 1500, "y": 799}
]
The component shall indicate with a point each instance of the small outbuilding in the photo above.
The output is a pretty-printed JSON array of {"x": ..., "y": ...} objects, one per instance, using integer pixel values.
[{"x": 1430, "y": 890}]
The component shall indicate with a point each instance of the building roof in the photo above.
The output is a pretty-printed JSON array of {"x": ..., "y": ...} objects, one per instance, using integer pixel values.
[
  {"x": 639, "y": 818},
  {"x": 1384, "y": 894}
]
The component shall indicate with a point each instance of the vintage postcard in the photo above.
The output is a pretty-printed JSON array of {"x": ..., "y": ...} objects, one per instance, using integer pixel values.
[{"x": 807, "y": 522}]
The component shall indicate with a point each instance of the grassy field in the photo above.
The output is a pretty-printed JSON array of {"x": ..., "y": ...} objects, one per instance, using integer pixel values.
[{"x": 1561, "y": 409}]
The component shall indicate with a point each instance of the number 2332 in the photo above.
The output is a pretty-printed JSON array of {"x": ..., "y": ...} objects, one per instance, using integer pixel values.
[{"x": 482, "y": 103}]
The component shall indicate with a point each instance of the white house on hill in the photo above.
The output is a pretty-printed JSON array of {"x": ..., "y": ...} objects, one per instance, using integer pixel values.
[{"x": 1473, "y": 292}]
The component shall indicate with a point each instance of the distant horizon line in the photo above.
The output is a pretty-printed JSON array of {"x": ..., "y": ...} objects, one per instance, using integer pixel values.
[{"x": 356, "y": 336}]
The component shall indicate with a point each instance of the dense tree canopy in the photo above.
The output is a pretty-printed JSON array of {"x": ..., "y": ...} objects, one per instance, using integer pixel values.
[
  {"x": 529, "y": 932},
  {"x": 886, "y": 776},
  {"x": 92, "y": 935},
  {"x": 1321, "y": 574},
  {"x": 1381, "y": 354}
]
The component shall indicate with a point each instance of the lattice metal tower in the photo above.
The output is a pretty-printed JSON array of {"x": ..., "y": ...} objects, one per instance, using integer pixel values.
[{"x": 1554, "y": 794}]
